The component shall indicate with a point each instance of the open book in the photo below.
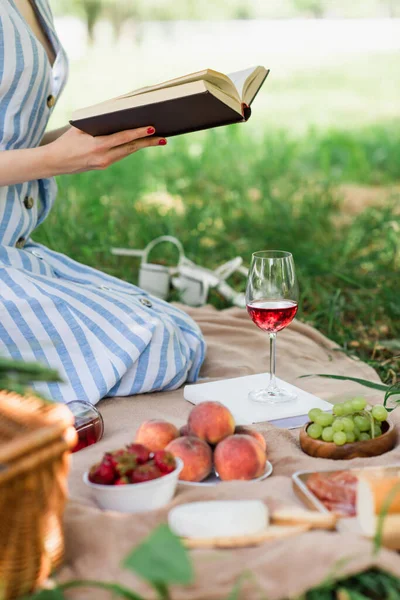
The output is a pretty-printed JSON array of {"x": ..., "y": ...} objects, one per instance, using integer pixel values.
[{"x": 193, "y": 102}]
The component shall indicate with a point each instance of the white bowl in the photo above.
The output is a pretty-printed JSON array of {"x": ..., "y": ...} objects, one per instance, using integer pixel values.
[{"x": 136, "y": 497}]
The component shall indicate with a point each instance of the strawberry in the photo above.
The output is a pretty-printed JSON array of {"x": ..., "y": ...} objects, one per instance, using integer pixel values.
[
  {"x": 102, "y": 473},
  {"x": 115, "y": 456},
  {"x": 145, "y": 472},
  {"x": 141, "y": 453},
  {"x": 165, "y": 461},
  {"x": 122, "y": 481},
  {"x": 125, "y": 465}
]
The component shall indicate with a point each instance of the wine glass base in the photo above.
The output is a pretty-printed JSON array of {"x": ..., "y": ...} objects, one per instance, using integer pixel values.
[{"x": 272, "y": 396}]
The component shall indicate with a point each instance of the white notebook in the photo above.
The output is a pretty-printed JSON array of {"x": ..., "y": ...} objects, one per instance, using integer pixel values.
[{"x": 233, "y": 393}]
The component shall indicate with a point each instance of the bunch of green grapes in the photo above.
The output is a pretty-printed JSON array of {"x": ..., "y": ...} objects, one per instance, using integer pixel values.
[{"x": 351, "y": 421}]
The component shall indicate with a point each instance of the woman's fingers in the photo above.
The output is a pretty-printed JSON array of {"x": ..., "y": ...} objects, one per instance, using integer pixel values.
[
  {"x": 125, "y": 137},
  {"x": 124, "y": 150}
]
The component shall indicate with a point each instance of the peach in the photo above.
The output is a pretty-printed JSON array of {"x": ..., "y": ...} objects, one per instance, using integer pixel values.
[
  {"x": 239, "y": 457},
  {"x": 256, "y": 435},
  {"x": 211, "y": 422},
  {"x": 184, "y": 430},
  {"x": 156, "y": 434},
  {"x": 196, "y": 455}
]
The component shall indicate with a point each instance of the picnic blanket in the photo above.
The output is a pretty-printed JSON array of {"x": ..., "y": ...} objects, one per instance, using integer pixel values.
[{"x": 96, "y": 541}]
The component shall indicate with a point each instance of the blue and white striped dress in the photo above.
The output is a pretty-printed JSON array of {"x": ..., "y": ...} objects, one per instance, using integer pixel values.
[{"x": 106, "y": 337}]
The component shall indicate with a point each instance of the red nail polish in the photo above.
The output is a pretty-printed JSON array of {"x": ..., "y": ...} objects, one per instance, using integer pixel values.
[
  {"x": 162, "y": 142},
  {"x": 151, "y": 130}
]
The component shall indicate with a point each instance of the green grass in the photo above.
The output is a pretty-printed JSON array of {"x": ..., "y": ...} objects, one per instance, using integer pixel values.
[
  {"x": 224, "y": 194},
  {"x": 370, "y": 585}
]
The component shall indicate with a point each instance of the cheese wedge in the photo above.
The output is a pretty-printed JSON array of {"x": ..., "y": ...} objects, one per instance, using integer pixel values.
[{"x": 373, "y": 493}]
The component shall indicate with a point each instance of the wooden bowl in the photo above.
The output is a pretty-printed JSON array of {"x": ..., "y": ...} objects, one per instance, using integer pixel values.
[{"x": 321, "y": 449}]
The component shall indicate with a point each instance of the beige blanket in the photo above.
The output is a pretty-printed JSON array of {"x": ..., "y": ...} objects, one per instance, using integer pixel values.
[{"x": 96, "y": 541}]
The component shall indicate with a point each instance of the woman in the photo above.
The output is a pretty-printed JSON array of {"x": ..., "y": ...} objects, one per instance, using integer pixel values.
[{"x": 106, "y": 337}]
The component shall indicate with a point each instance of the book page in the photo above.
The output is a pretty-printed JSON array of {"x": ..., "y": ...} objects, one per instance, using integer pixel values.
[
  {"x": 239, "y": 79},
  {"x": 126, "y": 102},
  {"x": 253, "y": 83},
  {"x": 220, "y": 81}
]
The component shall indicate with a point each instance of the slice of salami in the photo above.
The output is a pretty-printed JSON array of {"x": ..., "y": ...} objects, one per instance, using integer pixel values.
[{"x": 336, "y": 490}]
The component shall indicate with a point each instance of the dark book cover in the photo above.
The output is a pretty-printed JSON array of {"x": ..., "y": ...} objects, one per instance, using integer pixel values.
[{"x": 169, "y": 117}]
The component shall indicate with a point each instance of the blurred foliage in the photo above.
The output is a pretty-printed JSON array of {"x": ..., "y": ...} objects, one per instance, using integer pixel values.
[
  {"x": 285, "y": 194},
  {"x": 119, "y": 11},
  {"x": 373, "y": 584},
  {"x": 315, "y": 8},
  {"x": 17, "y": 376}
]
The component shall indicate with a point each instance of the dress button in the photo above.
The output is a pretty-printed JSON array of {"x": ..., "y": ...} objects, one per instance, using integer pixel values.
[
  {"x": 20, "y": 242},
  {"x": 105, "y": 287},
  {"x": 28, "y": 202},
  {"x": 50, "y": 101},
  {"x": 36, "y": 253},
  {"x": 145, "y": 302}
]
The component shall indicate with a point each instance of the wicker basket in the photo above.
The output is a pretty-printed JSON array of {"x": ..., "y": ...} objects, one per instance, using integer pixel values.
[{"x": 35, "y": 438}]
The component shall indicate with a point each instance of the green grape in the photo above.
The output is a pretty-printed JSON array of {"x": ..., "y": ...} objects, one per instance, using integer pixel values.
[
  {"x": 348, "y": 424},
  {"x": 377, "y": 431},
  {"x": 362, "y": 422},
  {"x": 340, "y": 438},
  {"x": 350, "y": 437},
  {"x": 314, "y": 431},
  {"x": 364, "y": 436},
  {"x": 348, "y": 408},
  {"x": 313, "y": 413},
  {"x": 327, "y": 434},
  {"x": 324, "y": 419},
  {"x": 356, "y": 432},
  {"x": 358, "y": 404},
  {"x": 379, "y": 413},
  {"x": 338, "y": 410},
  {"x": 337, "y": 425}
]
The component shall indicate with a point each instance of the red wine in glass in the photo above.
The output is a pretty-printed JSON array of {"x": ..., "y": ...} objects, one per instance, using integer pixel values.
[
  {"x": 271, "y": 300},
  {"x": 272, "y": 315},
  {"x": 88, "y": 433},
  {"x": 89, "y": 424}
]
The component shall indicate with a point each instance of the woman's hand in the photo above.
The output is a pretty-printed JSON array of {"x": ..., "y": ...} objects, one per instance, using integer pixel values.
[
  {"x": 73, "y": 152},
  {"x": 76, "y": 151}
]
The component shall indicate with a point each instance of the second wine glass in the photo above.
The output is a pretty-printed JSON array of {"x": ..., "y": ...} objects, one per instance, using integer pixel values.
[{"x": 272, "y": 302}]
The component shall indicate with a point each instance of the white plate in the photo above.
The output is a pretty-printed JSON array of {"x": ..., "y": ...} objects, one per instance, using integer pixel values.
[{"x": 213, "y": 479}]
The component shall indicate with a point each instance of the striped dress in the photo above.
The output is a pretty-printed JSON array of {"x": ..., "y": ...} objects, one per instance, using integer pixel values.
[{"x": 106, "y": 337}]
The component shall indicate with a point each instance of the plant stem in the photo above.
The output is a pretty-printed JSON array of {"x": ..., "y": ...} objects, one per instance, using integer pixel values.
[{"x": 112, "y": 587}]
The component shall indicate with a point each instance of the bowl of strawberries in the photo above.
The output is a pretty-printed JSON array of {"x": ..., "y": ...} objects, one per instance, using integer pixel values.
[{"x": 134, "y": 479}]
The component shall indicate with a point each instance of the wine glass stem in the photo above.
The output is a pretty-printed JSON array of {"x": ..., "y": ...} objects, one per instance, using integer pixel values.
[{"x": 272, "y": 360}]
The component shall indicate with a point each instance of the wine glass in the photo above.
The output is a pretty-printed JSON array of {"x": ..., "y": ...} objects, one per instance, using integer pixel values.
[
  {"x": 271, "y": 300},
  {"x": 89, "y": 423}
]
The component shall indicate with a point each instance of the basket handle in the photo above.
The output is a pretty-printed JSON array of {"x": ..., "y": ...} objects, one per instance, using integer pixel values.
[
  {"x": 35, "y": 440},
  {"x": 28, "y": 464},
  {"x": 144, "y": 254},
  {"x": 160, "y": 240}
]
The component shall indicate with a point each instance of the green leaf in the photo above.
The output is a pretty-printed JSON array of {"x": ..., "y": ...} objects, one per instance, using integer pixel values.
[
  {"x": 346, "y": 594},
  {"x": 364, "y": 382},
  {"x": 120, "y": 590},
  {"x": 35, "y": 371},
  {"x": 54, "y": 594},
  {"x": 234, "y": 594},
  {"x": 394, "y": 390},
  {"x": 161, "y": 559}
]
